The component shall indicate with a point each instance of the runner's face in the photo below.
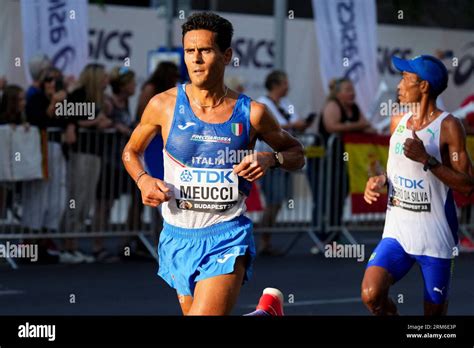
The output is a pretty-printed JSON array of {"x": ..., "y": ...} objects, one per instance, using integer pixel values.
[
  {"x": 409, "y": 88},
  {"x": 204, "y": 60}
]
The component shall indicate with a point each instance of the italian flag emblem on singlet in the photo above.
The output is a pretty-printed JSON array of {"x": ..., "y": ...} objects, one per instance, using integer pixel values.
[{"x": 237, "y": 129}]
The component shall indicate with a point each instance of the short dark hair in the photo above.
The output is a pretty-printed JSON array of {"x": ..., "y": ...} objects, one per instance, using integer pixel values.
[
  {"x": 212, "y": 22},
  {"x": 274, "y": 78}
]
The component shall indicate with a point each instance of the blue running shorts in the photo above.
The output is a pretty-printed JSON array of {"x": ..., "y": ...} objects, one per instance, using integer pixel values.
[
  {"x": 436, "y": 272},
  {"x": 187, "y": 256}
]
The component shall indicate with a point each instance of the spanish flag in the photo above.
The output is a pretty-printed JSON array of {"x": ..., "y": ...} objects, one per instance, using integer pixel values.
[{"x": 366, "y": 155}]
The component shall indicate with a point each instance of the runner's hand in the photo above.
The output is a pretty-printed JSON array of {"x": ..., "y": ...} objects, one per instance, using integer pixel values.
[
  {"x": 374, "y": 187},
  {"x": 254, "y": 166},
  {"x": 414, "y": 149},
  {"x": 154, "y": 191}
]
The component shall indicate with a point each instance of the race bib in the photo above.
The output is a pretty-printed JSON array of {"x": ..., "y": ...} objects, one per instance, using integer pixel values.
[
  {"x": 204, "y": 189},
  {"x": 410, "y": 194}
]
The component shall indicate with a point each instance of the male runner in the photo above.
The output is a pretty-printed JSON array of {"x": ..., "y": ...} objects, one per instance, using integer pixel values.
[
  {"x": 206, "y": 247},
  {"x": 427, "y": 161}
]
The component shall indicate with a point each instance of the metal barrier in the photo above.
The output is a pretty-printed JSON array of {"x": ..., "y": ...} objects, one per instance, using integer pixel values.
[
  {"x": 337, "y": 197},
  {"x": 85, "y": 182},
  {"x": 296, "y": 198},
  {"x": 88, "y": 193}
]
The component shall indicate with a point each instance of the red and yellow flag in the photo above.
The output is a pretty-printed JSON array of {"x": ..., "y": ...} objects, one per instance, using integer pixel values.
[{"x": 367, "y": 156}]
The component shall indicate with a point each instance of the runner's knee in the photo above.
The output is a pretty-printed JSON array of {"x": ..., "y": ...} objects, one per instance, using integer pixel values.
[{"x": 373, "y": 297}]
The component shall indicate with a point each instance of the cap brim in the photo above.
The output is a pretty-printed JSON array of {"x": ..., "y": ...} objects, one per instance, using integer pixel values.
[{"x": 402, "y": 65}]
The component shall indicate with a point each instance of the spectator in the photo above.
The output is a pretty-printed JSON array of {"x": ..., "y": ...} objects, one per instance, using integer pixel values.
[
  {"x": 12, "y": 106},
  {"x": 41, "y": 105},
  {"x": 341, "y": 114},
  {"x": 113, "y": 179},
  {"x": 3, "y": 85},
  {"x": 277, "y": 86},
  {"x": 36, "y": 65},
  {"x": 122, "y": 81},
  {"x": 85, "y": 162},
  {"x": 165, "y": 76},
  {"x": 44, "y": 199}
]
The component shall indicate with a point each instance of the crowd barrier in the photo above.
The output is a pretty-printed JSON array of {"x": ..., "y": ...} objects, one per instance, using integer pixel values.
[{"x": 88, "y": 193}]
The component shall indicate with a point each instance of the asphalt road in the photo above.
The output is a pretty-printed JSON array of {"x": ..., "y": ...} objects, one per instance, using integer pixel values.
[{"x": 312, "y": 285}]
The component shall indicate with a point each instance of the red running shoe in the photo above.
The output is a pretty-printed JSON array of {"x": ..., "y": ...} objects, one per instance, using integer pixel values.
[
  {"x": 271, "y": 302},
  {"x": 466, "y": 245}
]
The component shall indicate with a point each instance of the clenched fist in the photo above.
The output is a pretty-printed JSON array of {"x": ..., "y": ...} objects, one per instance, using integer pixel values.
[
  {"x": 154, "y": 191},
  {"x": 414, "y": 149},
  {"x": 254, "y": 166}
]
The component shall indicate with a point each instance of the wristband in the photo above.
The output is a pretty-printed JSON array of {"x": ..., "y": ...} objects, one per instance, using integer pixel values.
[{"x": 139, "y": 176}]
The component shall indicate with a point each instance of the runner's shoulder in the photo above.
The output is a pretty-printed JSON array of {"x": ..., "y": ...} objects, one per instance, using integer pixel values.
[
  {"x": 452, "y": 126},
  {"x": 161, "y": 105},
  {"x": 257, "y": 106},
  {"x": 394, "y": 121},
  {"x": 257, "y": 111},
  {"x": 163, "y": 98}
]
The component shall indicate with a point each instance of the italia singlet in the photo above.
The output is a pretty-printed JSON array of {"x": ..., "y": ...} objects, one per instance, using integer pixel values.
[
  {"x": 421, "y": 214},
  {"x": 198, "y": 166}
]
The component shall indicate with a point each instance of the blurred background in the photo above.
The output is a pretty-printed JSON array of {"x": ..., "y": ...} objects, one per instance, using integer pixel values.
[{"x": 65, "y": 193}]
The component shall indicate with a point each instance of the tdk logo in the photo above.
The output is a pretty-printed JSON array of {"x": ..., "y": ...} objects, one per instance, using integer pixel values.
[
  {"x": 408, "y": 183},
  {"x": 186, "y": 176},
  {"x": 212, "y": 177}
]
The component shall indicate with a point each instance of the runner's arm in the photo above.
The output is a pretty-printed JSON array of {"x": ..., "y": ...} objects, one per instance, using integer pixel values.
[
  {"x": 460, "y": 176},
  {"x": 268, "y": 129},
  {"x": 154, "y": 191},
  {"x": 140, "y": 138}
]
